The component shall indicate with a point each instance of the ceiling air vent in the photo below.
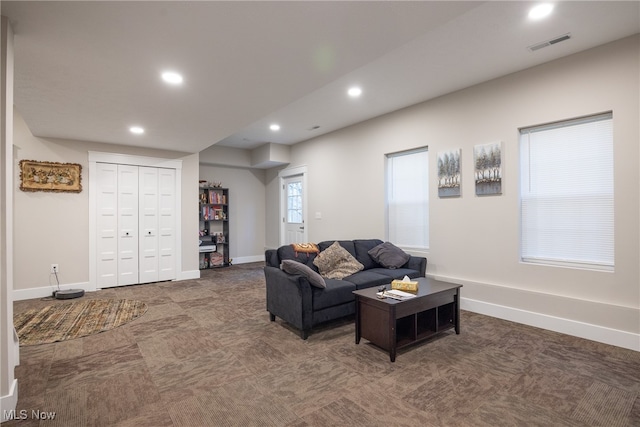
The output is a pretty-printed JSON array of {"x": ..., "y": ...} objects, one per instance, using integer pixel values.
[{"x": 555, "y": 40}]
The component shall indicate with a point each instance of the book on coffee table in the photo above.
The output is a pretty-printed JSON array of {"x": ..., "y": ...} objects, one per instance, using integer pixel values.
[{"x": 396, "y": 294}]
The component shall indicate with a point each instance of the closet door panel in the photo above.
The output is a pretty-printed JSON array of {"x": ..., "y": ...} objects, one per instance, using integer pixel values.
[
  {"x": 167, "y": 223},
  {"x": 148, "y": 211},
  {"x": 106, "y": 225},
  {"x": 127, "y": 225}
]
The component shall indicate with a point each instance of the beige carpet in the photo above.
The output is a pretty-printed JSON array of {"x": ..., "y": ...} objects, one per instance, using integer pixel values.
[{"x": 66, "y": 321}]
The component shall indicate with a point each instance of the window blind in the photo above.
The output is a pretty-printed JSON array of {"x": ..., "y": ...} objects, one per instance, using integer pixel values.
[
  {"x": 408, "y": 198},
  {"x": 566, "y": 193}
]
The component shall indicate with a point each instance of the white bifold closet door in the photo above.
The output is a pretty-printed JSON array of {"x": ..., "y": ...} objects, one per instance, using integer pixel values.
[
  {"x": 127, "y": 225},
  {"x": 106, "y": 225},
  {"x": 167, "y": 224},
  {"x": 136, "y": 224},
  {"x": 148, "y": 208}
]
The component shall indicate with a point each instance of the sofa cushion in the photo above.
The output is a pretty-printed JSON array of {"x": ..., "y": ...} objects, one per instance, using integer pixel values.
[
  {"x": 294, "y": 267},
  {"x": 337, "y": 292},
  {"x": 362, "y": 252},
  {"x": 389, "y": 255},
  {"x": 396, "y": 273},
  {"x": 287, "y": 252},
  {"x": 368, "y": 278},
  {"x": 336, "y": 262}
]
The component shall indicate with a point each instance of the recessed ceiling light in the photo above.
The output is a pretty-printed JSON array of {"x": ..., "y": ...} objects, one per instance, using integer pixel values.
[
  {"x": 540, "y": 11},
  {"x": 136, "y": 129},
  {"x": 172, "y": 77},
  {"x": 354, "y": 92},
  {"x": 274, "y": 127}
]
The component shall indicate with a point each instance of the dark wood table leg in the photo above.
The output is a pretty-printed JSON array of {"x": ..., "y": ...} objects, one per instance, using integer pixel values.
[
  {"x": 456, "y": 311},
  {"x": 393, "y": 342},
  {"x": 358, "y": 320}
]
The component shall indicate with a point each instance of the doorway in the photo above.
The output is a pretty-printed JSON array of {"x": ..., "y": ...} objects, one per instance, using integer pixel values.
[{"x": 293, "y": 207}]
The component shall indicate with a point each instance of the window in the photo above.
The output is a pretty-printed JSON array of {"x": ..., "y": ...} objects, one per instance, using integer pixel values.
[
  {"x": 294, "y": 202},
  {"x": 566, "y": 193},
  {"x": 408, "y": 199}
]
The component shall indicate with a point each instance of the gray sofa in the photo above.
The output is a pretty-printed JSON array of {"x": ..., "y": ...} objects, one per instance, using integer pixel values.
[{"x": 292, "y": 298}]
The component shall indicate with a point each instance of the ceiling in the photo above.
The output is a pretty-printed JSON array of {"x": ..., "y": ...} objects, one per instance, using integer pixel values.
[{"x": 88, "y": 70}]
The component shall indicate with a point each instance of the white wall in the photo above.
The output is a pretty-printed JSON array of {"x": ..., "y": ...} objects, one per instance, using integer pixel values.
[
  {"x": 246, "y": 209},
  {"x": 475, "y": 240},
  {"x": 272, "y": 209},
  {"x": 53, "y": 228}
]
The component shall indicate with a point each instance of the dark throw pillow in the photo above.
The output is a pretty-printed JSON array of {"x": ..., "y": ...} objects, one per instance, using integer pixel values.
[
  {"x": 389, "y": 255},
  {"x": 294, "y": 267}
]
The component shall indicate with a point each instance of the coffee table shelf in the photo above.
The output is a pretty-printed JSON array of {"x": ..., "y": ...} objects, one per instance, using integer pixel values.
[{"x": 391, "y": 324}]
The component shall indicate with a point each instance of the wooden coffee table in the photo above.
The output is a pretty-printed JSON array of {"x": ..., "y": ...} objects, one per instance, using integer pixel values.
[{"x": 392, "y": 324}]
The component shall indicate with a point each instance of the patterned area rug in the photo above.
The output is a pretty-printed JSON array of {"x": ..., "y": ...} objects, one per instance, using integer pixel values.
[{"x": 66, "y": 321}]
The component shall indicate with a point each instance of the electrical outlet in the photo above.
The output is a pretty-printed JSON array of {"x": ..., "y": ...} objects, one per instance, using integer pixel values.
[{"x": 54, "y": 268}]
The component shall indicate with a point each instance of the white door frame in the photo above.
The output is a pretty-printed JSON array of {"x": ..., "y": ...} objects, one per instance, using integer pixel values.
[
  {"x": 125, "y": 159},
  {"x": 282, "y": 175}
]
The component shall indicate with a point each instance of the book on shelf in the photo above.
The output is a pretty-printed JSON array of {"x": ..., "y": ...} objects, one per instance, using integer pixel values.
[
  {"x": 205, "y": 213},
  {"x": 209, "y": 213},
  {"x": 217, "y": 198}
]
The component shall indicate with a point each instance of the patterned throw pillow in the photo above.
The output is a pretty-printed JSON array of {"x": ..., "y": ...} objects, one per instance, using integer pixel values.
[
  {"x": 294, "y": 267},
  {"x": 389, "y": 255},
  {"x": 336, "y": 262}
]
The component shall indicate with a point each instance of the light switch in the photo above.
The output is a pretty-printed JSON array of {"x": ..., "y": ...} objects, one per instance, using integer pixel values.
[{"x": 318, "y": 215}]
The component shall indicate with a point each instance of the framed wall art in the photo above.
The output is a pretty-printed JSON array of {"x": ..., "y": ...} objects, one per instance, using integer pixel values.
[
  {"x": 487, "y": 159},
  {"x": 50, "y": 176},
  {"x": 449, "y": 173}
]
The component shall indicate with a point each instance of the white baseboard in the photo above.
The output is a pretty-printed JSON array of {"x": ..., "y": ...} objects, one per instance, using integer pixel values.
[
  {"x": 9, "y": 402},
  {"x": 566, "y": 326},
  {"x": 188, "y": 275},
  {"x": 47, "y": 291},
  {"x": 248, "y": 259}
]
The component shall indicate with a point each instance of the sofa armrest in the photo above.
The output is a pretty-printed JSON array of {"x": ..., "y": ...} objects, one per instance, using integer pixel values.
[
  {"x": 271, "y": 258},
  {"x": 417, "y": 263},
  {"x": 289, "y": 297}
]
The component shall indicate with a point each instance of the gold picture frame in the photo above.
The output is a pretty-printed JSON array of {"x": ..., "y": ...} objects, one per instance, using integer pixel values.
[{"x": 50, "y": 176}]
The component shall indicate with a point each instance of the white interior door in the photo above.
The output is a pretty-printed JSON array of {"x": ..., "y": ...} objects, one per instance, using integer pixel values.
[
  {"x": 106, "y": 178},
  {"x": 294, "y": 194},
  {"x": 127, "y": 225},
  {"x": 148, "y": 210},
  {"x": 167, "y": 224}
]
